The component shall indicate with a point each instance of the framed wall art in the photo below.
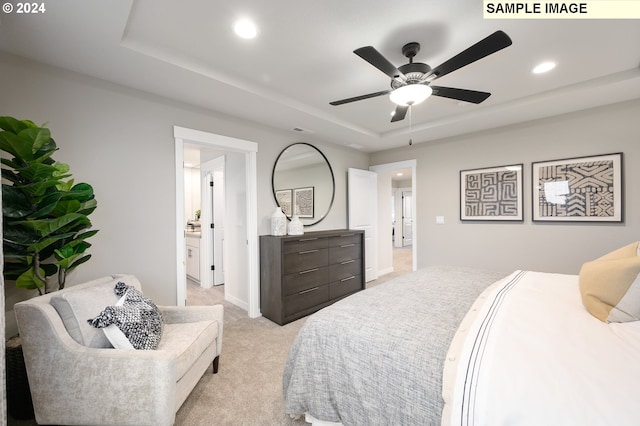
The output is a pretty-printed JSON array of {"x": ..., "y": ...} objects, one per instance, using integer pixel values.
[
  {"x": 493, "y": 193},
  {"x": 303, "y": 201},
  {"x": 583, "y": 189},
  {"x": 283, "y": 196}
]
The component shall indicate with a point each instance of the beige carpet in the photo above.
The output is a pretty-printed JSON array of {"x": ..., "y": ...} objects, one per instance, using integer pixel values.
[{"x": 248, "y": 387}]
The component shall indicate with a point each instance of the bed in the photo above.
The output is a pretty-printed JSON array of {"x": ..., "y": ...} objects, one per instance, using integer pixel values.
[{"x": 460, "y": 346}]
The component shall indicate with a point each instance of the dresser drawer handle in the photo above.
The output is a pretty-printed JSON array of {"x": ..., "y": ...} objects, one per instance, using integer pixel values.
[
  {"x": 347, "y": 245},
  {"x": 347, "y": 235},
  {"x": 347, "y": 262},
  {"x": 307, "y": 251},
  {"x": 307, "y": 271},
  {"x": 347, "y": 279},
  {"x": 309, "y": 290},
  {"x": 307, "y": 239}
]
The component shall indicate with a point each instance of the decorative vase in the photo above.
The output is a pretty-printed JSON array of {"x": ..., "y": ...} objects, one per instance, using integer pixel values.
[
  {"x": 278, "y": 222},
  {"x": 295, "y": 226}
]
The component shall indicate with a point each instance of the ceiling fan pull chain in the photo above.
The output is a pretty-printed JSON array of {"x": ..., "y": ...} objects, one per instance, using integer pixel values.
[{"x": 410, "y": 140}]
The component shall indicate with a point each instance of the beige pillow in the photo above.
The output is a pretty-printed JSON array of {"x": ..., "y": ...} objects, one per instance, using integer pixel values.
[{"x": 610, "y": 285}]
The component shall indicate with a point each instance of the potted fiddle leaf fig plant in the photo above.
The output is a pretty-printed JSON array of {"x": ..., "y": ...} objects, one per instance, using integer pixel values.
[{"x": 45, "y": 213}]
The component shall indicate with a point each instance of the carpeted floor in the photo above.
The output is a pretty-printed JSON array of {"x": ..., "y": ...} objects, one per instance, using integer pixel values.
[{"x": 248, "y": 387}]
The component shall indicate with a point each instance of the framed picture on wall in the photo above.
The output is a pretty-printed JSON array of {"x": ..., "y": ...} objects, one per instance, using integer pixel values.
[
  {"x": 303, "y": 201},
  {"x": 582, "y": 189},
  {"x": 493, "y": 194},
  {"x": 283, "y": 196}
]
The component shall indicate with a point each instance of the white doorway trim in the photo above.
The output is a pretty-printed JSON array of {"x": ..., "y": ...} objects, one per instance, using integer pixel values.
[
  {"x": 249, "y": 149},
  {"x": 407, "y": 164}
]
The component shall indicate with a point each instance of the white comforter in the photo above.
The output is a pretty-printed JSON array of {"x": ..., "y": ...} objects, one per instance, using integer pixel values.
[{"x": 528, "y": 353}]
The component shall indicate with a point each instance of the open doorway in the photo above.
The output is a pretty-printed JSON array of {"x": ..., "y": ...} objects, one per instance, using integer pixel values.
[
  {"x": 242, "y": 286},
  {"x": 397, "y": 253}
]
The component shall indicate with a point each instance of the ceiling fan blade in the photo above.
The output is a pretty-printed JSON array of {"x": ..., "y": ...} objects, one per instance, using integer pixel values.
[
  {"x": 491, "y": 44},
  {"x": 359, "y": 98},
  {"x": 375, "y": 58},
  {"x": 401, "y": 112},
  {"x": 466, "y": 95}
]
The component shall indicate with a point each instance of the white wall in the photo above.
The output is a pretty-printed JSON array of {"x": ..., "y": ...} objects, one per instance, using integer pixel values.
[
  {"x": 192, "y": 198},
  {"x": 552, "y": 247},
  {"x": 121, "y": 142}
]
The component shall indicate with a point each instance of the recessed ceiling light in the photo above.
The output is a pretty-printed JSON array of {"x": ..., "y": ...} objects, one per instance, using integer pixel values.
[
  {"x": 244, "y": 28},
  {"x": 544, "y": 67},
  {"x": 398, "y": 174}
]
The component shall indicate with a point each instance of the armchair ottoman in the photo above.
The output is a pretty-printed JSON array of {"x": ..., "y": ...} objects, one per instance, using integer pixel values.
[{"x": 77, "y": 378}]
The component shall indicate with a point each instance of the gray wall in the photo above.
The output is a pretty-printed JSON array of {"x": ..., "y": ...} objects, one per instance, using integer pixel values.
[
  {"x": 121, "y": 141},
  {"x": 551, "y": 247}
]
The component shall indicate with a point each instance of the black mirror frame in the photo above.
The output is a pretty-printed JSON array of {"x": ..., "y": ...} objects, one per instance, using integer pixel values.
[{"x": 333, "y": 180}]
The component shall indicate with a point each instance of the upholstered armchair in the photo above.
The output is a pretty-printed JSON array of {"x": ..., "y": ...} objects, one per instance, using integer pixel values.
[{"x": 77, "y": 378}]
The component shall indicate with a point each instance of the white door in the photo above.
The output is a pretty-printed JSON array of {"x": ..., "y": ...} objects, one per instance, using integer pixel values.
[
  {"x": 218, "y": 220},
  {"x": 363, "y": 214},
  {"x": 407, "y": 219},
  {"x": 212, "y": 236}
]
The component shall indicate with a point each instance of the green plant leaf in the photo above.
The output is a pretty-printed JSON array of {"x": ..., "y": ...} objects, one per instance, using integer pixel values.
[
  {"x": 66, "y": 206},
  {"x": 88, "y": 207},
  {"x": 78, "y": 262},
  {"x": 38, "y": 136},
  {"x": 15, "y": 204},
  {"x": 47, "y": 204},
  {"x": 16, "y": 146},
  {"x": 84, "y": 236},
  {"x": 45, "y": 243},
  {"x": 18, "y": 235},
  {"x": 45, "y": 227},
  {"x": 14, "y": 125},
  {"x": 38, "y": 172},
  {"x": 29, "y": 281}
]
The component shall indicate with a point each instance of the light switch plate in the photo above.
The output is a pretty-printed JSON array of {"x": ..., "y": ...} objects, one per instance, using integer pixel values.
[{"x": 440, "y": 220}]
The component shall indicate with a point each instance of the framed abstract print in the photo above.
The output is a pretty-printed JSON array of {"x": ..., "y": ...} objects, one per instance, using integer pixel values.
[
  {"x": 283, "y": 196},
  {"x": 582, "y": 189},
  {"x": 303, "y": 201},
  {"x": 493, "y": 193}
]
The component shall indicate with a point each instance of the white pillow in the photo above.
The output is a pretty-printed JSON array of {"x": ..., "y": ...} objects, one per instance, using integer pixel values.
[{"x": 115, "y": 335}]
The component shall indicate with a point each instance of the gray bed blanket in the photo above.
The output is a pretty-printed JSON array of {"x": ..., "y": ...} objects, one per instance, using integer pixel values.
[{"x": 376, "y": 357}]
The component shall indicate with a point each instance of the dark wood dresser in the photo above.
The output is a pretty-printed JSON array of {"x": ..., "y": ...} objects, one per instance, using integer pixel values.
[{"x": 300, "y": 274}]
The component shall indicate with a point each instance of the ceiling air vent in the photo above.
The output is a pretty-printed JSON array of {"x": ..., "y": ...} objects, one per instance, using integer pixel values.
[{"x": 301, "y": 130}]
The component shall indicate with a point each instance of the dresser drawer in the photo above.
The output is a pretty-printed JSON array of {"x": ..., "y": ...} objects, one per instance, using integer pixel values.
[
  {"x": 344, "y": 269},
  {"x": 304, "y": 244},
  {"x": 343, "y": 253},
  {"x": 306, "y": 299},
  {"x": 342, "y": 239},
  {"x": 305, "y": 260},
  {"x": 304, "y": 280},
  {"x": 345, "y": 286},
  {"x": 297, "y": 278}
]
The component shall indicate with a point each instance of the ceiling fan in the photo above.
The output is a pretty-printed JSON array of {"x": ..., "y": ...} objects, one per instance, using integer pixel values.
[{"x": 411, "y": 83}]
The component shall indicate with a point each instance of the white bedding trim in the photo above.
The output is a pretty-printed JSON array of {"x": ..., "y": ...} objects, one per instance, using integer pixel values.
[
  {"x": 452, "y": 361},
  {"x": 533, "y": 355}
]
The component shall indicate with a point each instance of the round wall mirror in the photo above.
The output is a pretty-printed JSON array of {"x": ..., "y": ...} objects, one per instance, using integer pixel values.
[{"x": 303, "y": 183}]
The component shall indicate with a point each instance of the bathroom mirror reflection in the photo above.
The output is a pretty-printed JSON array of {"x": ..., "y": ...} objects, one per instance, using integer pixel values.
[{"x": 303, "y": 183}]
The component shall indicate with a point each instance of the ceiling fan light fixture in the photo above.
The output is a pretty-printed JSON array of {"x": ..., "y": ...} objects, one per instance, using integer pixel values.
[{"x": 411, "y": 94}]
